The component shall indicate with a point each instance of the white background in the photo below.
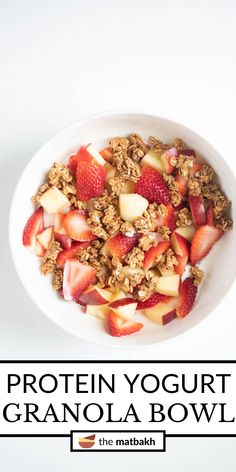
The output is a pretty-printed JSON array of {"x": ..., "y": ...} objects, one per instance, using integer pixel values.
[{"x": 60, "y": 61}]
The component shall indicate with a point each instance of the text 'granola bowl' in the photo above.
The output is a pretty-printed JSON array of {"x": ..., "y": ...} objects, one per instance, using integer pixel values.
[{"x": 128, "y": 240}]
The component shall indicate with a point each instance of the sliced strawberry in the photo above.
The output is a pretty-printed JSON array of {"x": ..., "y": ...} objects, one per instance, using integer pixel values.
[
  {"x": 120, "y": 245},
  {"x": 182, "y": 184},
  {"x": 182, "y": 262},
  {"x": 107, "y": 154},
  {"x": 81, "y": 155},
  {"x": 76, "y": 226},
  {"x": 202, "y": 242},
  {"x": 118, "y": 327},
  {"x": 71, "y": 252},
  {"x": 187, "y": 297},
  {"x": 154, "y": 252},
  {"x": 168, "y": 220},
  {"x": 210, "y": 215},
  {"x": 76, "y": 278},
  {"x": 197, "y": 209},
  {"x": 153, "y": 300},
  {"x": 152, "y": 186},
  {"x": 33, "y": 226},
  {"x": 90, "y": 180}
]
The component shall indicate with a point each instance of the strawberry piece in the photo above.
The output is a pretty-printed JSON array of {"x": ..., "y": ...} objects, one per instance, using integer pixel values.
[
  {"x": 154, "y": 252},
  {"x": 76, "y": 278},
  {"x": 107, "y": 154},
  {"x": 152, "y": 186},
  {"x": 81, "y": 155},
  {"x": 153, "y": 300},
  {"x": 90, "y": 179},
  {"x": 182, "y": 262},
  {"x": 73, "y": 251},
  {"x": 167, "y": 220},
  {"x": 122, "y": 302},
  {"x": 187, "y": 297},
  {"x": 119, "y": 245},
  {"x": 182, "y": 184},
  {"x": 76, "y": 226},
  {"x": 33, "y": 226},
  {"x": 118, "y": 327},
  {"x": 202, "y": 242},
  {"x": 210, "y": 215}
]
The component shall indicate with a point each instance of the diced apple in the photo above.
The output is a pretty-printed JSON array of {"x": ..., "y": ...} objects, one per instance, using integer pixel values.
[
  {"x": 63, "y": 239},
  {"x": 53, "y": 200},
  {"x": 165, "y": 160},
  {"x": 95, "y": 154},
  {"x": 197, "y": 209},
  {"x": 152, "y": 159},
  {"x": 162, "y": 313},
  {"x": 118, "y": 295},
  {"x": 58, "y": 223},
  {"x": 125, "y": 308},
  {"x": 48, "y": 220},
  {"x": 186, "y": 231},
  {"x": 95, "y": 295},
  {"x": 111, "y": 172},
  {"x": 168, "y": 285},
  {"x": 179, "y": 244},
  {"x": 45, "y": 237},
  {"x": 132, "y": 206},
  {"x": 101, "y": 311}
]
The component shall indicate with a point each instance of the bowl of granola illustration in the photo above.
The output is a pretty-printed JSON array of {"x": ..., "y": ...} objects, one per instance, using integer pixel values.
[{"x": 121, "y": 242}]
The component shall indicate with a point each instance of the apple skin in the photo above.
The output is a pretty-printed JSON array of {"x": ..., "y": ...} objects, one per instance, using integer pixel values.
[
  {"x": 125, "y": 308},
  {"x": 179, "y": 244},
  {"x": 95, "y": 296},
  {"x": 197, "y": 209},
  {"x": 165, "y": 160}
]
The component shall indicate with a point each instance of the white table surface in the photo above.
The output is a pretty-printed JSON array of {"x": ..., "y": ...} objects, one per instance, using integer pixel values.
[{"x": 61, "y": 61}]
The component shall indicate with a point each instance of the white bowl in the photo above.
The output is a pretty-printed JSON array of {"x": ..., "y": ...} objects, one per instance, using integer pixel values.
[{"x": 99, "y": 129}]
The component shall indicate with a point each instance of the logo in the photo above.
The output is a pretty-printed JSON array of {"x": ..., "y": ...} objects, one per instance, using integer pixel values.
[{"x": 87, "y": 442}]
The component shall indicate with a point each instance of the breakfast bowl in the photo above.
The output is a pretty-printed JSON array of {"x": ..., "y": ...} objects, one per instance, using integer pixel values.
[{"x": 70, "y": 316}]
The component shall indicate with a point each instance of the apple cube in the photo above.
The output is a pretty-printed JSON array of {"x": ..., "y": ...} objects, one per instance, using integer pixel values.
[
  {"x": 152, "y": 159},
  {"x": 165, "y": 160},
  {"x": 197, "y": 209},
  {"x": 96, "y": 155},
  {"x": 111, "y": 172},
  {"x": 101, "y": 311},
  {"x": 95, "y": 295},
  {"x": 168, "y": 285},
  {"x": 132, "y": 206},
  {"x": 163, "y": 312},
  {"x": 125, "y": 308},
  {"x": 186, "y": 231},
  {"x": 45, "y": 237},
  {"x": 53, "y": 200},
  {"x": 179, "y": 244}
]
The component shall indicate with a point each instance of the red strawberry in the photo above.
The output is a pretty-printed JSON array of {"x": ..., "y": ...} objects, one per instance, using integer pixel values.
[
  {"x": 152, "y": 186},
  {"x": 119, "y": 245},
  {"x": 75, "y": 248},
  {"x": 168, "y": 220},
  {"x": 118, "y": 327},
  {"x": 76, "y": 226},
  {"x": 153, "y": 300},
  {"x": 107, "y": 154},
  {"x": 202, "y": 242},
  {"x": 182, "y": 262},
  {"x": 90, "y": 179},
  {"x": 76, "y": 278},
  {"x": 210, "y": 215},
  {"x": 81, "y": 155},
  {"x": 33, "y": 226},
  {"x": 154, "y": 252},
  {"x": 63, "y": 239},
  {"x": 187, "y": 296}
]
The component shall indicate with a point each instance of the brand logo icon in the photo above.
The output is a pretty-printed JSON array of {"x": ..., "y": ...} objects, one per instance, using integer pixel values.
[{"x": 87, "y": 442}]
